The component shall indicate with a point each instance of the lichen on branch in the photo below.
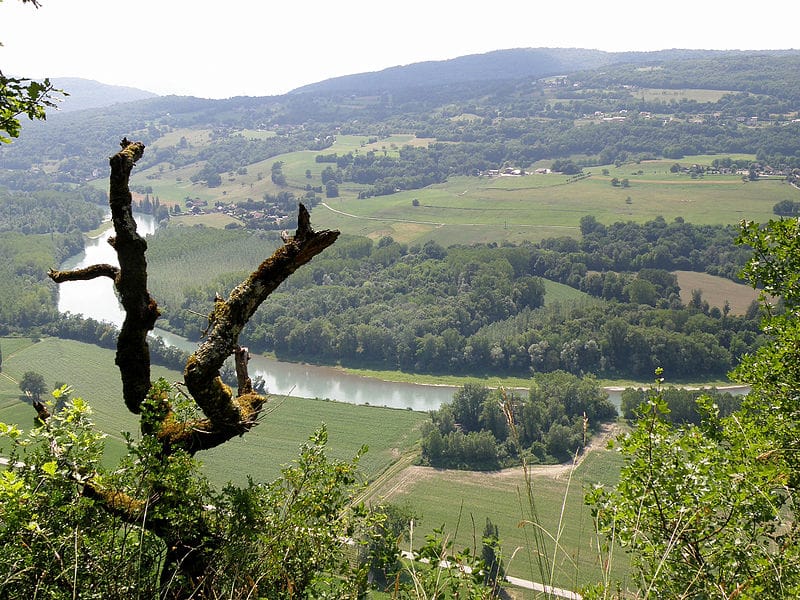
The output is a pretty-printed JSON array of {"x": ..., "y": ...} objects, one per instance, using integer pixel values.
[
  {"x": 229, "y": 316},
  {"x": 226, "y": 414}
]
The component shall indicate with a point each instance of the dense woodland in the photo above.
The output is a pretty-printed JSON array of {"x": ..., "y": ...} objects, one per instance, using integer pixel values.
[
  {"x": 427, "y": 308},
  {"x": 481, "y": 309},
  {"x": 431, "y": 309}
]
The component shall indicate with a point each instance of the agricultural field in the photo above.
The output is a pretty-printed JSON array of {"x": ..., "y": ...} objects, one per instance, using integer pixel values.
[
  {"x": 461, "y": 501},
  {"x": 667, "y": 95},
  {"x": 286, "y": 423},
  {"x": 533, "y": 207},
  {"x": 716, "y": 291},
  {"x": 453, "y": 499},
  {"x": 487, "y": 209}
]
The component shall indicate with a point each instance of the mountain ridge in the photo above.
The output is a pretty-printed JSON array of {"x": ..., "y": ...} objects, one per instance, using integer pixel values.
[
  {"x": 89, "y": 93},
  {"x": 506, "y": 64}
]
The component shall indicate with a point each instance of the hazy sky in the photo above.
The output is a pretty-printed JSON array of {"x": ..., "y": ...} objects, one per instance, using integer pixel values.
[{"x": 260, "y": 47}]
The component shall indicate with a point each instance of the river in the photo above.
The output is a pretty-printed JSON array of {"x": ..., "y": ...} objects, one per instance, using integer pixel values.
[{"x": 98, "y": 300}]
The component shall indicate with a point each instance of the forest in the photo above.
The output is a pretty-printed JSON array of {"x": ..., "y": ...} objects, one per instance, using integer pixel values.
[
  {"x": 474, "y": 127},
  {"x": 487, "y": 429},
  {"x": 462, "y": 310},
  {"x": 483, "y": 309}
]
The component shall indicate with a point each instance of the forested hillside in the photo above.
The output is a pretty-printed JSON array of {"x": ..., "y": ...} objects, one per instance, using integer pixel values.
[
  {"x": 397, "y": 295},
  {"x": 479, "y": 117}
]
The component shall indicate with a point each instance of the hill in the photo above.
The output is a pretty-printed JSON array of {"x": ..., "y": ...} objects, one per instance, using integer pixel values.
[
  {"x": 86, "y": 93},
  {"x": 517, "y": 63}
]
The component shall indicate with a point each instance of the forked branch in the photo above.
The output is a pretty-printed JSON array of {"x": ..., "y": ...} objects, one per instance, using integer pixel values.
[{"x": 226, "y": 414}]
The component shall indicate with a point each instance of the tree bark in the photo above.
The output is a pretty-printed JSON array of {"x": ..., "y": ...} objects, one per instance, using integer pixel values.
[
  {"x": 231, "y": 415},
  {"x": 227, "y": 414}
]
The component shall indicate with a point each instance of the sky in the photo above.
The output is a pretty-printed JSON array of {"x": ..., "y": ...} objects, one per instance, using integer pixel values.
[{"x": 260, "y": 48}]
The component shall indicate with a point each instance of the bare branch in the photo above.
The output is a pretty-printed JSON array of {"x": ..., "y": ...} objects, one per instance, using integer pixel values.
[
  {"x": 226, "y": 415},
  {"x": 141, "y": 311},
  {"x": 85, "y": 274},
  {"x": 241, "y": 358}
]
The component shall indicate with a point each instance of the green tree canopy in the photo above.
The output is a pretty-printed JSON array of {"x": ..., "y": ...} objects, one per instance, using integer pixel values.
[
  {"x": 33, "y": 385},
  {"x": 711, "y": 509}
]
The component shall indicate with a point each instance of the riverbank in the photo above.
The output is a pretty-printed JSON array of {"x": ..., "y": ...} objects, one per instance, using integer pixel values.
[{"x": 520, "y": 383}]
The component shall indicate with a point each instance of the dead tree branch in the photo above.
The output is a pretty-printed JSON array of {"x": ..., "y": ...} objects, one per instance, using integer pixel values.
[
  {"x": 141, "y": 311},
  {"x": 235, "y": 415},
  {"x": 85, "y": 274},
  {"x": 226, "y": 414}
]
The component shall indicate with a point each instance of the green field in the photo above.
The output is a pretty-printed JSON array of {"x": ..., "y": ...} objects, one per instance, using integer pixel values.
[
  {"x": 460, "y": 501},
  {"x": 490, "y": 209},
  {"x": 469, "y": 209},
  {"x": 452, "y": 499},
  {"x": 287, "y": 422}
]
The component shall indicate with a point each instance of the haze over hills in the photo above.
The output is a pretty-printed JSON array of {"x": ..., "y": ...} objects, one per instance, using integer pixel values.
[
  {"x": 85, "y": 94},
  {"x": 508, "y": 64}
]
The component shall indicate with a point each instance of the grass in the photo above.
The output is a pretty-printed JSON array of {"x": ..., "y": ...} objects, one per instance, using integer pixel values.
[
  {"x": 88, "y": 369},
  {"x": 461, "y": 501},
  {"x": 388, "y": 433},
  {"x": 219, "y": 220},
  {"x": 450, "y": 498},
  {"x": 538, "y": 206},
  {"x": 666, "y": 95},
  {"x": 440, "y": 379},
  {"x": 288, "y": 421}
]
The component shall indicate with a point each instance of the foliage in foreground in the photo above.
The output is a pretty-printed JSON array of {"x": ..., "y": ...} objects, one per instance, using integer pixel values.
[
  {"x": 299, "y": 536},
  {"x": 710, "y": 510},
  {"x": 281, "y": 539}
]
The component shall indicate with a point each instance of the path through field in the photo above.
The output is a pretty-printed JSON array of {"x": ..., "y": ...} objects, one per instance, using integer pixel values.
[
  {"x": 403, "y": 476},
  {"x": 352, "y": 216}
]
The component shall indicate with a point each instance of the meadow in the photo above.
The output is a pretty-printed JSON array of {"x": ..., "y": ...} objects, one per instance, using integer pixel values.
[
  {"x": 490, "y": 209},
  {"x": 533, "y": 207},
  {"x": 459, "y": 501}
]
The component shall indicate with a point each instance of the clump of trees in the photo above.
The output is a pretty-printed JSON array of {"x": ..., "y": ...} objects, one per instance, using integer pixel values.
[
  {"x": 681, "y": 403},
  {"x": 489, "y": 429},
  {"x": 787, "y": 208},
  {"x": 481, "y": 309}
]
